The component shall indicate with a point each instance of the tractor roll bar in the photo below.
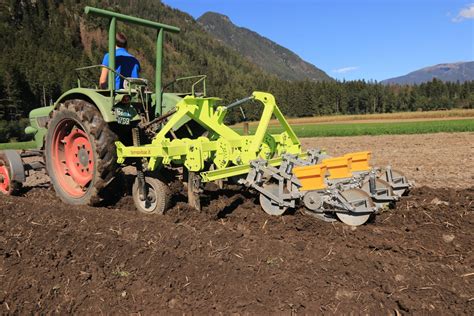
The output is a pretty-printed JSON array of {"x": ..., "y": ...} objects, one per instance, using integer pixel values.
[
  {"x": 131, "y": 19},
  {"x": 161, "y": 28}
]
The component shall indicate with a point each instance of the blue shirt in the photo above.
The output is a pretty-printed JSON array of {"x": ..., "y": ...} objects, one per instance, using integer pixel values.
[{"x": 125, "y": 64}]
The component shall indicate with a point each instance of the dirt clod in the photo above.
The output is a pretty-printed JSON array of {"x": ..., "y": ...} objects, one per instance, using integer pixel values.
[{"x": 448, "y": 238}]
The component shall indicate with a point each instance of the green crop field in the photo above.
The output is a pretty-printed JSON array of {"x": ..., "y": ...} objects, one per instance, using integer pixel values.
[
  {"x": 348, "y": 129},
  {"x": 30, "y": 144},
  {"x": 423, "y": 127}
]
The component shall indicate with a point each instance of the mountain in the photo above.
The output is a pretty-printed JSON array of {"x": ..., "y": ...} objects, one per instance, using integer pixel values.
[
  {"x": 43, "y": 42},
  {"x": 460, "y": 71},
  {"x": 267, "y": 54}
]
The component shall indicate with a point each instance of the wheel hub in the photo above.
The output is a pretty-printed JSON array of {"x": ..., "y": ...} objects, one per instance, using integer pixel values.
[
  {"x": 78, "y": 156},
  {"x": 313, "y": 200},
  {"x": 83, "y": 157},
  {"x": 149, "y": 203}
]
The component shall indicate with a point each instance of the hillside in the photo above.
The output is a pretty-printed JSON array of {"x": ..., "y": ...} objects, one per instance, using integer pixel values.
[
  {"x": 453, "y": 72},
  {"x": 272, "y": 57},
  {"x": 43, "y": 41}
]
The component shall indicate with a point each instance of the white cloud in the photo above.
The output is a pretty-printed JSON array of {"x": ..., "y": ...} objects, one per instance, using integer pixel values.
[
  {"x": 465, "y": 13},
  {"x": 345, "y": 69}
]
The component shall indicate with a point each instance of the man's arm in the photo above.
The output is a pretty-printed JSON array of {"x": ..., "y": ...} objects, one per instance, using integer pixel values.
[
  {"x": 136, "y": 70},
  {"x": 104, "y": 73},
  {"x": 103, "y": 78}
]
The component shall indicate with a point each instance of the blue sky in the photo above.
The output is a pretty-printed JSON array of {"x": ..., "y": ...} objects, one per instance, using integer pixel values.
[{"x": 366, "y": 39}]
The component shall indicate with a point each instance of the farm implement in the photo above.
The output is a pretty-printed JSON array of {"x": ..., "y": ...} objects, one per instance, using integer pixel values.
[{"x": 89, "y": 134}]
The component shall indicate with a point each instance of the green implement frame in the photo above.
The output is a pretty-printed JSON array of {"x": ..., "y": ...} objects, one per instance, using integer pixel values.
[{"x": 230, "y": 152}]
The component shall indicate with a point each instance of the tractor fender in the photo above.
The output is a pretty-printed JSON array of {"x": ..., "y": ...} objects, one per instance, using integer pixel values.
[{"x": 103, "y": 103}]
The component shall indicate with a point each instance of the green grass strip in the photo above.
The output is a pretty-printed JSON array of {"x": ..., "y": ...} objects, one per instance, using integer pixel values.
[
  {"x": 326, "y": 130},
  {"x": 22, "y": 145},
  {"x": 389, "y": 128}
]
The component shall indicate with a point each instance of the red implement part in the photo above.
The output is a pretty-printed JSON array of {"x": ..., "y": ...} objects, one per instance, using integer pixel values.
[
  {"x": 4, "y": 180},
  {"x": 73, "y": 158}
]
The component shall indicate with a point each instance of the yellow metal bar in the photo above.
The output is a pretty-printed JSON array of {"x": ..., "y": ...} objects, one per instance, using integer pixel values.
[
  {"x": 214, "y": 175},
  {"x": 269, "y": 103}
]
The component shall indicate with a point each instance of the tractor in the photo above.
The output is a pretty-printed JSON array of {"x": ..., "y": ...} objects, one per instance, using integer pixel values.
[{"x": 88, "y": 135}]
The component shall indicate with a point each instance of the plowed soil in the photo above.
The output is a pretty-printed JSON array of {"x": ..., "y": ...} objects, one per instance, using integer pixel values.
[
  {"x": 233, "y": 258},
  {"x": 443, "y": 160}
]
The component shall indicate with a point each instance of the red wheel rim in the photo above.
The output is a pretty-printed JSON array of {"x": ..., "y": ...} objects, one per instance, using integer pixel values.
[
  {"x": 73, "y": 158},
  {"x": 4, "y": 180}
]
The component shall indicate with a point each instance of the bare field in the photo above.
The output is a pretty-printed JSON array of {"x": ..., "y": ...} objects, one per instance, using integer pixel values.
[
  {"x": 232, "y": 258},
  {"x": 436, "y": 160}
]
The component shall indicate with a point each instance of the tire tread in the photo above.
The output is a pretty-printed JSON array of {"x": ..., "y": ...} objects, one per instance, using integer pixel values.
[{"x": 102, "y": 138}]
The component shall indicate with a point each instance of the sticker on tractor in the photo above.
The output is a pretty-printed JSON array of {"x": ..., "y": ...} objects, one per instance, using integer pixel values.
[{"x": 123, "y": 116}]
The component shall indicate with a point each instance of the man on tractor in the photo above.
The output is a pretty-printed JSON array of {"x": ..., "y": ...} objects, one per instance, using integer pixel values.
[{"x": 125, "y": 64}]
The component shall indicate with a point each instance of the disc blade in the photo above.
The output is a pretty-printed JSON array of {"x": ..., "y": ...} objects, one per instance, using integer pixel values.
[
  {"x": 353, "y": 218},
  {"x": 267, "y": 205}
]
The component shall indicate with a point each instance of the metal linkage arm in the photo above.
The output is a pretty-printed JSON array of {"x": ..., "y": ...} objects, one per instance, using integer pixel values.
[{"x": 239, "y": 102}]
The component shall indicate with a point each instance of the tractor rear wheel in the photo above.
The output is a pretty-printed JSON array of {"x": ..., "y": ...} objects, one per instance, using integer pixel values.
[{"x": 80, "y": 154}]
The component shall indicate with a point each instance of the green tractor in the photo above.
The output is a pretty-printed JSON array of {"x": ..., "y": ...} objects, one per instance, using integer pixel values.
[{"x": 89, "y": 134}]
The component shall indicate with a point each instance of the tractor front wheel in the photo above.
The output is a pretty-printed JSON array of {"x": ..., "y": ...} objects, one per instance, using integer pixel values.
[{"x": 80, "y": 154}]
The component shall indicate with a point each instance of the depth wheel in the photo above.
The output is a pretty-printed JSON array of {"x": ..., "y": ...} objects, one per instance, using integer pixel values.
[
  {"x": 267, "y": 205},
  {"x": 361, "y": 202},
  {"x": 158, "y": 196},
  {"x": 81, "y": 159}
]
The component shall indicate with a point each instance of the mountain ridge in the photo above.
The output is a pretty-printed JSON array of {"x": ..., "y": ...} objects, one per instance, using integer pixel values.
[
  {"x": 268, "y": 55},
  {"x": 448, "y": 72}
]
